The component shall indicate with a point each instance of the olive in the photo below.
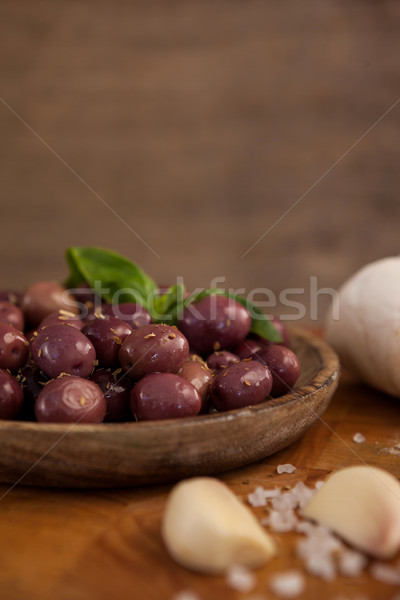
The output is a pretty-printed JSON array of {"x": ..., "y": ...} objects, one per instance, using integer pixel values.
[
  {"x": 134, "y": 314},
  {"x": 107, "y": 335},
  {"x": 284, "y": 366},
  {"x": 11, "y": 314},
  {"x": 220, "y": 360},
  {"x": 61, "y": 317},
  {"x": 214, "y": 323},
  {"x": 199, "y": 375},
  {"x": 164, "y": 396},
  {"x": 62, "y": 349},
  {"x": 14, "y": 348},
  {"x": 153, "y": 348},
  {"x": 241, "y": 384},
  {"x": 32, "y": 381},
  {"x": 70, "y": 400},
  {"x": 43, "y": 298},
  {"x": 116, "y": 388},
  {"x": 249, "y": 346},
  {"x": 11, "y": 296},
  {"x": 11, "y": 396}
]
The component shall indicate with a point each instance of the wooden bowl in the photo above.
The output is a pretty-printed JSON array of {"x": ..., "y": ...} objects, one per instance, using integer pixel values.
[{"x": 131, "y": 454}]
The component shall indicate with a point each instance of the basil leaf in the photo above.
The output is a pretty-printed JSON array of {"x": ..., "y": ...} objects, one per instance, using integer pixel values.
[
  {"x": 165, "y": 307},
  {"x": 116, "y": 274},
  {"x": 260, "y": 323}
]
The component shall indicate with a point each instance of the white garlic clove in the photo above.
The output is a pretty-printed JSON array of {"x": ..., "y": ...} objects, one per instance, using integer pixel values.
[
  {"x": 207, "y": 528},
  {"x": 362, "y": 505}
]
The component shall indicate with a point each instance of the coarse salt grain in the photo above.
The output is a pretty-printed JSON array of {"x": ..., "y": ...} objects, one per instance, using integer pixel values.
[
  {"x": 240, "y": 578},
  {"x": 358, "y": 438},
  {"x": 257, "y": 498},
  {"x": 351, "y": 563},
  {"x": 282, "y": 521},
  {"x": 386, "y": 573},
  {"x": 284, "y": 501},
  {"x": 319, "y": 485},
  {"x": 286, "y": 468},
  {"x": 302, "y": 494},
  {"x": 287, "y": 584},
  {"x": 321, "y": 565},
  {"x": 186, "y": 595}
]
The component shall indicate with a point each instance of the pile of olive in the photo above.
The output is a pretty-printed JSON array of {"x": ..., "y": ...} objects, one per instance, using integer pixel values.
[{"x": 114, "y": 364}]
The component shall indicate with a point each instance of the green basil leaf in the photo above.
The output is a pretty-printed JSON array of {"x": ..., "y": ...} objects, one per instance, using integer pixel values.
[
  {"x": 116, "y": 274},
  {"x": 260, "y": 323},
  {"x": 164, "y": 308}
]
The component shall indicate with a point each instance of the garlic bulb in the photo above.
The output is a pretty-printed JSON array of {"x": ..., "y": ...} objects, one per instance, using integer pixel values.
[{"x": 366, "y": 332}]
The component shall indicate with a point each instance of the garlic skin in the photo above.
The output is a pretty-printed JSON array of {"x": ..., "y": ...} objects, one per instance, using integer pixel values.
[
  {"x": 207, "y": 528},
  {"x": 362, "y": 505},
  {"x": 367, "y": 333}
]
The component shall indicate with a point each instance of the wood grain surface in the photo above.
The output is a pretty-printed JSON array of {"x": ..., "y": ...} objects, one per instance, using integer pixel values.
[{"x": 106, "y": 543}]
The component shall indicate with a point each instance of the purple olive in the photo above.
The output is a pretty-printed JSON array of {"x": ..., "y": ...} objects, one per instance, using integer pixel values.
[
  {"x": 134, "y": 314},
  {"x": 11, "y": 296},
  {"x": 61, "y": 317},
  {"x": 284, "y": 366},
  {"x": 12, "y": 315},
  {"x": 11, "y": 396},
  {"x": 249, "y": 346},
  {"x": 199, "y": 375},
  {"x": 14, "y": 348},
  {"x": 43, "y": 298},
  {"x": 214, "y": 323},
  {"x": 153, "y": 348},
  {"x": 63, "y": 349},
  {"x": 116, "y": 388},
  {"x": 241, "y": 384},
  {"x": 70, "y": 400},
  {"x": 220, "y": 360},
  {"x": 107, "y": 335},
  {"x": 164, "y": 396}
]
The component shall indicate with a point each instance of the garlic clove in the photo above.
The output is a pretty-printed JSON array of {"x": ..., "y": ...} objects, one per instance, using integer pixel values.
[
  {"x": 207, "y": 528},
  {"x": 362, "y": 505}
]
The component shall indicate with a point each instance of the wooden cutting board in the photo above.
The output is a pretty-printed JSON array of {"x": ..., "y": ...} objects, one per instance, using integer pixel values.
[{"x": 106, "y": 544}]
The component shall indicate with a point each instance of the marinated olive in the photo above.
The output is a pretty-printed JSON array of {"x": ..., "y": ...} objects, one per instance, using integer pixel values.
[
  {"x": 214, "y": 323},
  {"x": 61, "y": 317},
  {"x": 134, "y": 314},
  {"x": 284, "y": 366},
  {"x": 116, "y": 388},
  {"x": 220, "y": 360},
  {"x": 153, "y": 348},
  {"x": 11, "y": 396},
  {"x": 62, "y": 349},
  {"x": 164, "y": 396},
  {"x": 12, "y": 315},
  {"x": 241, "y": 384},
  {"x": 70, "y": 400},
  {"x": 107, "y": 335},
  {"x": 199, "y": 375},
  {"x": 11, "y": 296},
  {"x": 14, "y": 348},
  {"x": 43, "y": 298},
  {"x": 249, "y": 346}
]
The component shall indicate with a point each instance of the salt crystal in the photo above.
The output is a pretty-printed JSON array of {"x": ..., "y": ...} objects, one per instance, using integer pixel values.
[
  {"x": 284, "y": 502},
  {"x": 260, "y": 495},
  {"x": 240, "y": 578},
  {"x": 358, "y": 438},
  {"x": 186, "y": 595},
  {"x": 282, "y": 521},
  {"x": 319, "y": 485},
  {"x": 288, "y": 584},
  {"x": 257, "y": 498},
  {"x": 302, "y": 494},
  {"x": 386, "y": 573},
  {"x": 351, "y": 563},
  {"x": 305, "y": 527},
  {"x": 287, "y": 468},
  {"x": 321, "y": 565}
]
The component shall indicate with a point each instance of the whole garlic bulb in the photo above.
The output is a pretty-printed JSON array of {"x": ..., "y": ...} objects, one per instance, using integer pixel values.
[{"x": 366, "y": 334}]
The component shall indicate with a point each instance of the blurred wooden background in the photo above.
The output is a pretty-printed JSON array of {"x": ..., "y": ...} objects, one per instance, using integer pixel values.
[{"x": 200, "y": 123}]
